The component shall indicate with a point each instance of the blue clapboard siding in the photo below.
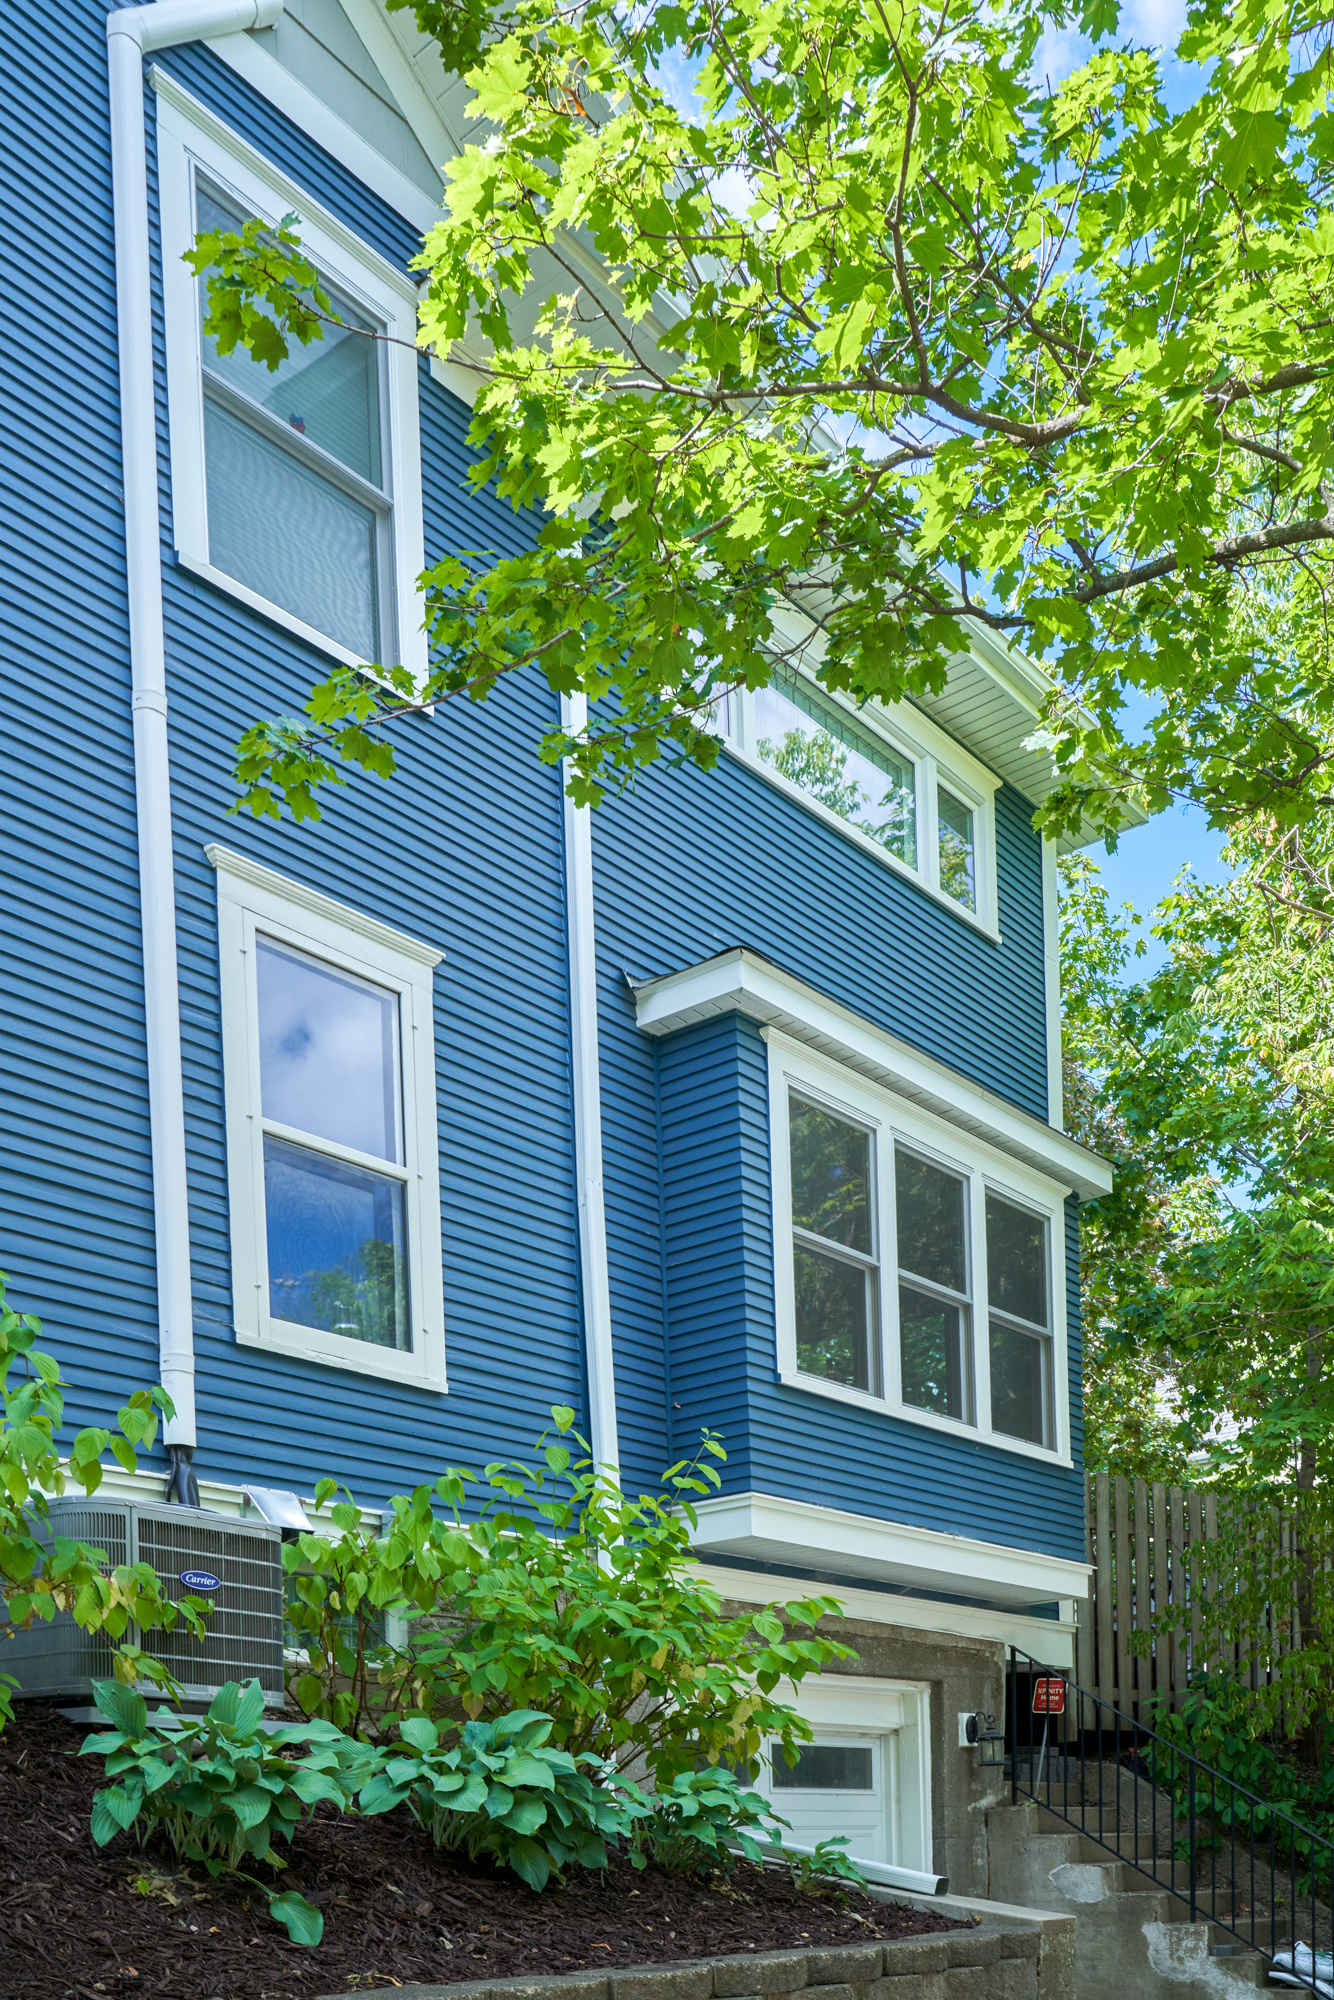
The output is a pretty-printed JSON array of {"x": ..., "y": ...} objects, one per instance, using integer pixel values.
[
  {"x": 464, "y": 848},
  {"x": 732, "y": 861}
]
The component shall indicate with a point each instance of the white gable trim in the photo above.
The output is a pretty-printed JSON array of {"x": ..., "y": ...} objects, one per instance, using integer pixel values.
[{"x": 243, "y": 54}]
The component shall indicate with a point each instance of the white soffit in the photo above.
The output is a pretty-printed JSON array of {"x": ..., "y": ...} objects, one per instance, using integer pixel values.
[
  {"x": 1051, "y": 1640},
  {"x": 757, "y": 1527},
  {"x": 741, "y": 982}
]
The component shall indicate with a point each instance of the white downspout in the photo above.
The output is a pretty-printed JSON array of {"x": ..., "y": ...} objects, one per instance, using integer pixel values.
[
  {"x": 131, "y": 32},
  {"x": 596, "y": 1285}
]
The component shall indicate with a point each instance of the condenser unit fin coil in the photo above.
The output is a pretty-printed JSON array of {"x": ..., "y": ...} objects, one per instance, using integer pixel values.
[{"x": 244, "y": 1633}]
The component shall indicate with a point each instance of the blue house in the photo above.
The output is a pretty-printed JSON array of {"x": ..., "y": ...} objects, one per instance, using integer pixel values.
[{"x": 733, "y": 1103}]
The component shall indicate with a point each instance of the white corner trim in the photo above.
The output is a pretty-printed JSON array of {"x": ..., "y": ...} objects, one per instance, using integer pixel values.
[
  {"x": 740, "y": 981},
  {"x": 314, "y": 117},
  {"x": 1051, "y": 1640},
  {"x": 761, "y": 1527},
  {"x": 1051, "y": 961},
  {"x": 243, "y": 869}
]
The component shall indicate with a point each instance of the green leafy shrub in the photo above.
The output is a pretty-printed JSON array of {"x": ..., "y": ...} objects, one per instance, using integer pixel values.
[
  {"x": 696, "y": 1823},
  {"x": 41, "y": 1574},
  {"x": 560, "y": 1595},
  {"x": 1218, "y": 1724},
  {"x": 503, "y": 1791},
  {"x": 223, "y": 1789}
]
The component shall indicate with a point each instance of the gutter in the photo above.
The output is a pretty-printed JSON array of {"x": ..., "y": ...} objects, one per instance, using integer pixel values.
[
  {"x": 132, "y": 32},
  {"x": 587, "y": 1085}
]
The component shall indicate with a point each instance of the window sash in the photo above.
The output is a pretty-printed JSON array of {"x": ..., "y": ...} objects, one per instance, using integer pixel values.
[{"x": 797, "y": 1075}]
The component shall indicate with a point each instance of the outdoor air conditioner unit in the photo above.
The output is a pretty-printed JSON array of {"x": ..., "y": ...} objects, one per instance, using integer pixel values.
[{"x": 244, "y": 1635}]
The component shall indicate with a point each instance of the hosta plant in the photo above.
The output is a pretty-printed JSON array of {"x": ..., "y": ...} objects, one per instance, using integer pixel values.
[
  {"x": 500, "y": 1789},
  {"x": 699, "y": 1821},
  {"x": 223, "y": 1789}
]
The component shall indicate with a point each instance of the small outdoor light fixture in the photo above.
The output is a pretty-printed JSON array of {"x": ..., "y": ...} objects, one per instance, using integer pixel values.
[
  {"x": 280, "y": 1508},
  {"x": 986, "y": 1738}
]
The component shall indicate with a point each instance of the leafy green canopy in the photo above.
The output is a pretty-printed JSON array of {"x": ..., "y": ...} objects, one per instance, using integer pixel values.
[
  {"x": 889, "y": 337},
  {"x": 1212, "y": 1083}
]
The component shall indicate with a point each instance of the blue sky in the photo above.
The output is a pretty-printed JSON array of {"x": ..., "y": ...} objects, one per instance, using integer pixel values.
[{"x": 1148, "y": 858}]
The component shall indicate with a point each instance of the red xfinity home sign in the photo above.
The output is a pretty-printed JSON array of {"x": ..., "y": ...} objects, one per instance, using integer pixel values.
[{"x": 1048, "y": 1697}]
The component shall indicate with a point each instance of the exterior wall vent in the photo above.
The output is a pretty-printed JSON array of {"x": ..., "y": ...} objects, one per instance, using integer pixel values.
[{"x": 244, "y": 1638}]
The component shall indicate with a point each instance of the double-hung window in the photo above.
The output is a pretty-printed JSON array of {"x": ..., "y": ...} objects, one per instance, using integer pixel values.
[
  {"x": 328, "y": 1068},
  {"x": 916, "y": 1269},
  {"x": 893, "y": 782},
  {"x": 295, "y": 489}
]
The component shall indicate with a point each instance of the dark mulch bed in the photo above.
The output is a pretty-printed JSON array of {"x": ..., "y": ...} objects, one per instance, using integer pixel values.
[{"x": 78, "y": 1922}]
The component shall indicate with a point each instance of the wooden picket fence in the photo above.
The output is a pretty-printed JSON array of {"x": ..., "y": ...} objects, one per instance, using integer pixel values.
[{"x": 1139, "y": 1539}]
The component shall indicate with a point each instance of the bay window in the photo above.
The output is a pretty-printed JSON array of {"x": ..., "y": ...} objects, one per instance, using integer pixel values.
[{"x": 916, "y": 1269}]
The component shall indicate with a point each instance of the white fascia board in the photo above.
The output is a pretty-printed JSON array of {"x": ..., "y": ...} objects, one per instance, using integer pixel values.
[
  {"x": 739, "y": 981},
  {"x": 760, "y": 1527},
  {"x": 1050, "y": 1640},
  {"x": 313, "y": 117}
]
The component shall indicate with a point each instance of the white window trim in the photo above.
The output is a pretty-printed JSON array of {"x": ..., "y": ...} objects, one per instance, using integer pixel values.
[
  {"x": 985, "y": 1169},
  {"x": 935, "y": 759},
  {"x": 899, "y": 1713},
  {"x": 187, "y": 134},
  {"x": 252, "y": 897}
]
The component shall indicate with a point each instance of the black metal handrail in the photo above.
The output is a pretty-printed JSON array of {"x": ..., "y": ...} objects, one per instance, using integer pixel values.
[{"x": 1148, "y": 1767}]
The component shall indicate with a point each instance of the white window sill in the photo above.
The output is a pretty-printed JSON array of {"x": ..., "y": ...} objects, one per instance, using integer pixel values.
[
  {"x": 275, "y": 614},
  {"x": 360, "y": 1356},
  {"x": 862, "y": 840},
  {"x": 838, "y": 1392}
]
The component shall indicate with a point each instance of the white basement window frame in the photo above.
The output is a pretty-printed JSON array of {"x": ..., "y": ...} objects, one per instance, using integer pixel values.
[
  {"x": 999, "y": 1324},
  {"x": 378, "y": 501},
  {"x": 308, "y": 935},
  {"x": 944, "y": 794}
]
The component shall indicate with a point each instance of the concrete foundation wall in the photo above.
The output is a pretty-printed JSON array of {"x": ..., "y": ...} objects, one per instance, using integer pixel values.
[{"x": 963, "y": 1675}]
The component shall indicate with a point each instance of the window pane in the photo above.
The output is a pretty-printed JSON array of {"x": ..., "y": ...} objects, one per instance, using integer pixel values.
[
  {"x": 336, "y": 1246},
  {"x": 816, "y": 744},
  {"x": 296, "y": 539},
  {"x": 1018, "y": 1401},
  {"x": 823, "y": 1767},
  {"x": 831, "y": 1176},
  {"x": 1016, "y": 1261},
  {"x": 328, "y": 1052},
  {"x": 835, "y": 1316},
  {"x": 956, "y": 848},
  {"x": 931, "y": 1351},
  {"x": 328, "y": 392},
  {"x": 931, "y": 1228}
]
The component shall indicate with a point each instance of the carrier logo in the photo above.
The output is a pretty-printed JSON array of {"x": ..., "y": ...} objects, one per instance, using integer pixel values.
[{"x": 200, "y": 1579}]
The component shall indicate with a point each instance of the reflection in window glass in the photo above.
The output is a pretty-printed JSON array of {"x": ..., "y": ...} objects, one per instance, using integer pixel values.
[
  {"x": 1018, "y": 1391},
  {"x": 823, "y": 1767},
  {"x": 1017, "y": 1293},
  {"x": 815, "y": 743},
  {"x": 328, "y": 1052},
  {"x": 955, "y": 834},
  {"x": 336, "y": 1246},
  {"x": 836, "y": 1287},
  {"x": 932, "y": 1347},
  {"x": 831, "y": 1174},
  {"x": 1016, "y": 1261},
  {"x": 931, "y": 1226},
  {"x": 835, "y": 1304}
]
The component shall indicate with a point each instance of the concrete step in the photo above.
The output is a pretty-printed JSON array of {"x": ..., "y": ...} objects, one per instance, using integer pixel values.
[{"x": 1200, "y": 1951}]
